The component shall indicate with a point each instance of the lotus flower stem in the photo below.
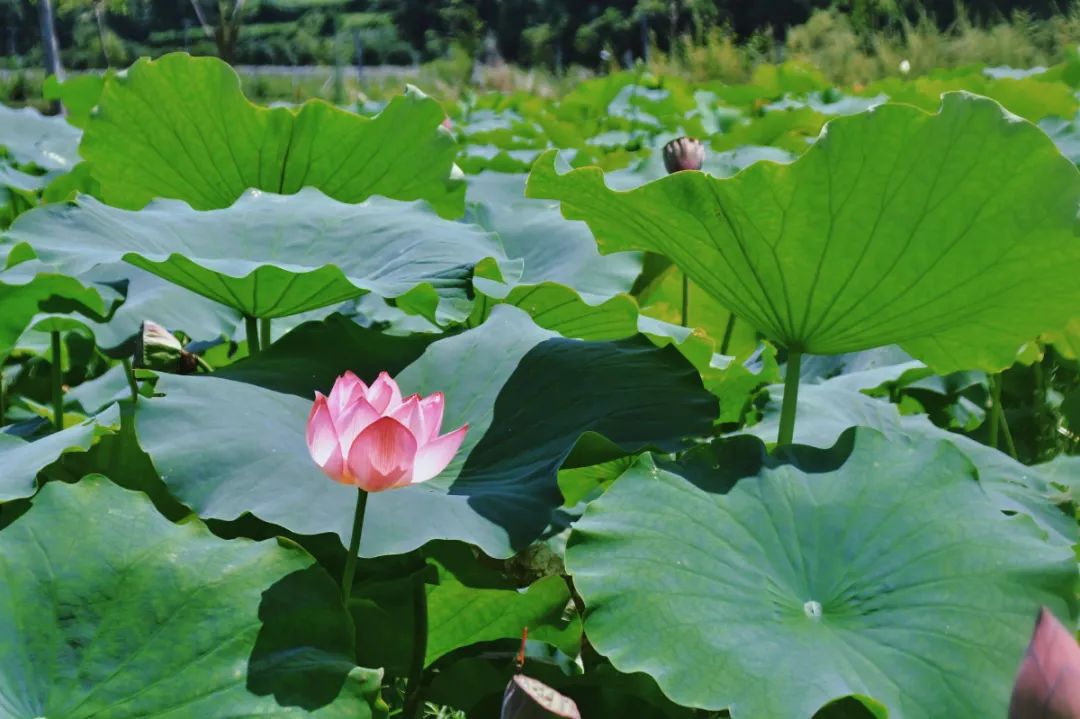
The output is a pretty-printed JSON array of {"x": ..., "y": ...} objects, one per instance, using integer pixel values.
[
  {"x": 354, "y": 546},
  {"x": 791, "y": 398},
  {"x": 1010, "y": 445},
  {"x": 264, "y": 333},
  {"x": 57, "y": 376},
  {"x": 251, "y": 330},
  {"x": 413, "y": 703},
  {"x": 998, "y": 424},
  {"x": 130, "y": 374},
  {"x": 729, "y": 329}
]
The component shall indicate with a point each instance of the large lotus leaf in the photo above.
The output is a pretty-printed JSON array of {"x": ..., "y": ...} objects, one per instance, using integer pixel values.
[
  {"x": 145, "y": 296},
  {"x": 271, "y": 255},
  {"x": 35, "y": 139},
  {"x": 1065, "y": 471},
  {"x": 560, "y": 309},
  {"x": 826, "y": 410},
  {"x": 180, "y": 127},
  {"x": 949, "y": 234},
  {"x": 21, "y": 461},
  {"x": 92, "y": 396},
  {"x": 149, "y": 297},
  {"x": 24, "y": 295},
  {"x": 847, "y": 572},
  {"x": 1032, "y": 98},
  {"x": 535, "y": 396},
  {"x": 552, "y": 249},
  {"x": 107, "y": 609}
]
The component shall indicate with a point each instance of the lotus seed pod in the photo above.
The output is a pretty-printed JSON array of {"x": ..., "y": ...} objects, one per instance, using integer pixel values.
[
  {"x": 685, "y": 153},
  {"x": 528, "y": 698}
]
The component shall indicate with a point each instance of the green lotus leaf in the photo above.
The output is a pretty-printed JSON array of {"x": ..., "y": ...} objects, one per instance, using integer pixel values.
[
  {"x": 844, "y": 572},
  {"x": 21, "y": 461},
  {"x": 1065, "y": 471},
  {"x": 552, "y": 249},
  {"x": 79, "y": 94},
  {"x": 107, "y": 609},
  {"x": 538, "y": 394},
  {"x": 22, "y": 182},
  {"x": 468, "y": 605},
  {"x": 180, "y": 127},
  {"x": 949, "y": 234},
  {"x": 149, "y": 297},
  {"x": 26, "y": 294},
  {"x": 828, "y": 409},
  {"x": 1066, "y": 340},
  {"x": 271, "y": 255},
  {"x": 31, "y": 138},
  {"x": 560, "y": 309},
  {"x": 1032, "y": 98},
  {"x": 662, "y": 298}
]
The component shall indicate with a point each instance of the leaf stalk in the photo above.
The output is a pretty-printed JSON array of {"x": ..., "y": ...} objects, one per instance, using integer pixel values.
[
  {"x": 791, "y": 398},
  {"x": 251, "y": 330},
  {"x": 57, "y": 376}
]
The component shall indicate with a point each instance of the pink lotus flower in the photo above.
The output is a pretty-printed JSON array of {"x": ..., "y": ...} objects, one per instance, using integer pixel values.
[
  {"x": 1048, "y": 683},
  {"x": 371, "y": 438}
]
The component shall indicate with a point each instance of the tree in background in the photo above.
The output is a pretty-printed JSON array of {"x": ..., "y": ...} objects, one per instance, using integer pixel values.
[
  {"x": 552, "y": 33},
  {"x": 50, "y": 45},
  {"x": 222, "y": 24}
]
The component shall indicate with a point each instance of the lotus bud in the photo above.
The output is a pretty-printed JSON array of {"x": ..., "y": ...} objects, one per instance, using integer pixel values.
[
  {"x": 685, "y": 153},
  {"x": 371, "y": 438},
  {"x": 158, "y": 349},
  {"x": 528, "y": 698},
  {"x": 1048, "y": 683}
]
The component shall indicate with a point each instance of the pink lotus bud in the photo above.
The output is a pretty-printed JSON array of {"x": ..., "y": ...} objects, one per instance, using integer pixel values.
[
  {"x": 1048, "y": 685},
  {"x": 684, "y": 153},
  {"x": 373, "y": 439},
  {"x": 158, "y": 349}
]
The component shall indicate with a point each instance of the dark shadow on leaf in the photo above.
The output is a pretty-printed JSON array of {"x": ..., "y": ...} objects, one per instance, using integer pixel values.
[
  {"x": 849, "y": 707},
  {"x": 314, "y": 354},
  {"x": 302, "y": 655},
  {"x": 10, "y": 511},
  {"x": 119, "y": 457},
  {"x": 814, "y": 460},
  {"x": 718, "y": 467},
  {"x": 630, "y": 392}
]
